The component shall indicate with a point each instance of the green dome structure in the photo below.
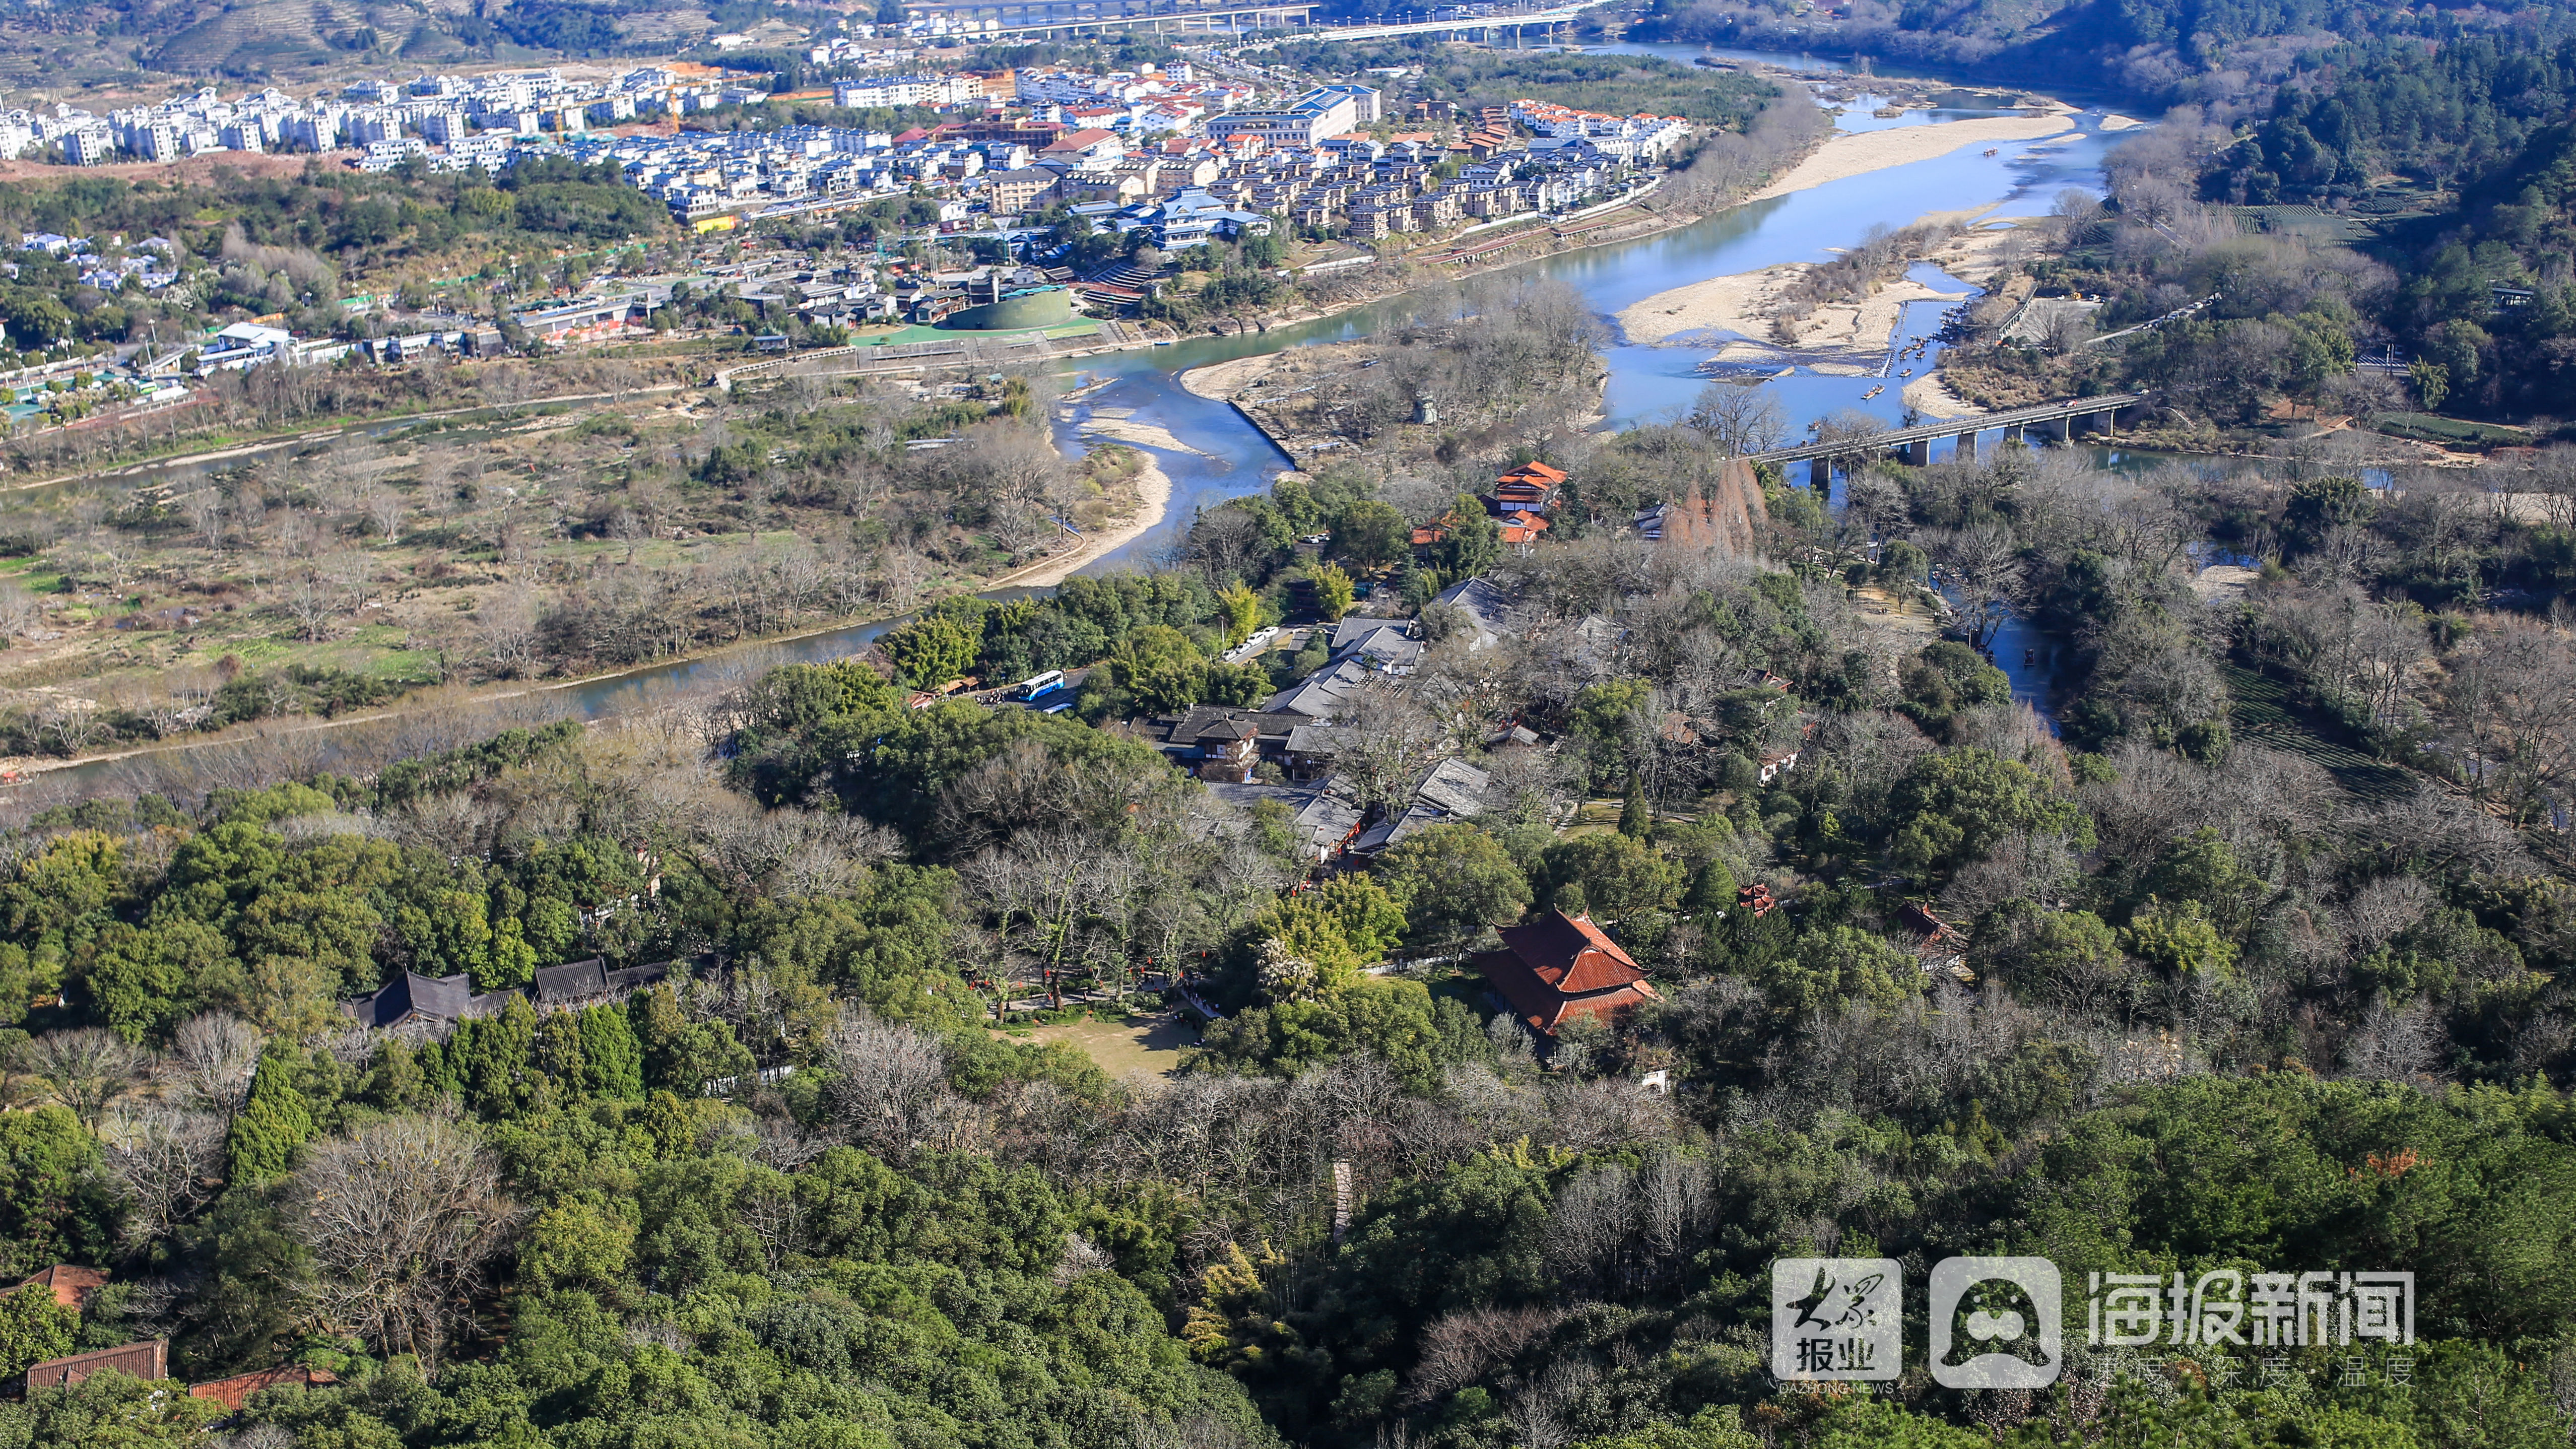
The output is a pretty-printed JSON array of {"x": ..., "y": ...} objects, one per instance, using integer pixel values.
[{"x": 1016, "y": 311}]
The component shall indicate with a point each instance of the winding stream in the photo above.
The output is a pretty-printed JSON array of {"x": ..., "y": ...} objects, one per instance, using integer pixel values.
[{"x": 1646, "y": 384}]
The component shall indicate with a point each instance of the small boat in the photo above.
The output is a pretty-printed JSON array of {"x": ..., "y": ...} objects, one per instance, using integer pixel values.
[
  {"x": 1994, "y": 150},
  {"x": 1909, "y": 372},
  {"x": 1873, "y": 392}
]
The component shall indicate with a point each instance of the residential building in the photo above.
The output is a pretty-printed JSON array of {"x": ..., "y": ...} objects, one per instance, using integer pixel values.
[
  {"x": 1555, "y": 968},
  {"x": 236, "y": 1391},
  {"x": 146, "y": 1360},
  {"x": 70, "y": 1285}
]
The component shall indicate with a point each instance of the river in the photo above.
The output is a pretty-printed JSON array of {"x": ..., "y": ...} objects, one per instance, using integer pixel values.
[
  {"x": 1232, "y": 459},
  {"x": 1646, "y": 383}
]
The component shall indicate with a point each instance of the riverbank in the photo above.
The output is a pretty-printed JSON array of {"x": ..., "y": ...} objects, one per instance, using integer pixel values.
[
  {"x": 1140, "y": 435},
  {"x": 1851, "y": 154}
]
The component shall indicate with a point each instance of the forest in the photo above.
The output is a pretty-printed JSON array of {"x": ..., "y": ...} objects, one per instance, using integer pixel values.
[
  {"x": 2256, "y": 958},
  {"x": 2228, "y": 55},
  {"x": 2467, "y": 149},
  {"x": 2453, "y": 282},
  {"x": 293, "y": 246}
]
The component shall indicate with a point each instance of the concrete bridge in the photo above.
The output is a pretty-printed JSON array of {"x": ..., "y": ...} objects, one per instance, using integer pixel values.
[
  {"x": 1483, "y": 27},
  {"x": 2064, "y": 420},
  {"x": 1046, "y": 17}
]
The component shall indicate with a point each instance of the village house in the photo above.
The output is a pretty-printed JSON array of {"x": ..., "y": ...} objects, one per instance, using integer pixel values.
[
  {"x": 1493, "y": 613},
  {"x": 234, "y": 1392},
  {"x": 1222, "y": 744},
  {"x": 70, "y": 1285},
  {"x": 1938, "y": 945},
  {"x": 438, "y": 1001},
  {"x": 1555, "y": 967},
  {"x": 1529, "y": 488},
  {"x": 146, "y": 1360},
  {"x": 1451, "y": 790}
]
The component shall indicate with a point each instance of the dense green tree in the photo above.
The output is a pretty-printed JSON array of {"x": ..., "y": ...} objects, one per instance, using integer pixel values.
[
  {"x": 53, "y": 1205},
  {"x": 1951, "y": 808},
  {"x": 34, "y": 1326},
  {"x": 1453, "y": 881},
  {"x": 1370, "y": 533},
  {"x": 1609, "y": 875}
]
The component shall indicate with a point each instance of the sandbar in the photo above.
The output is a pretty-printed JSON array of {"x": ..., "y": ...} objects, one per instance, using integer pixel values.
[
  {"x": 1932, "y": 397},
  {"x": 1858, "y": 154},
  {"x": 1153, "y": 496},
  {"x": 1742, "y": 303},
  {"x": 1142, "y": 435},
  {"x": 1221, "y": 380}
]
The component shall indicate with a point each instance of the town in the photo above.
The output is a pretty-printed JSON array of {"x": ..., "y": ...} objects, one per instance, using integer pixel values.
[
  {"x": 1021, "y": 140},
  {"x": 1167, "y": 157}
]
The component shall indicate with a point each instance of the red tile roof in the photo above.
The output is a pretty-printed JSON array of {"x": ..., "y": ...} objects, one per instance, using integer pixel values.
[
  {"x": 1533, "y": 473},
  {"x": 1558, "y": 966},
  {"x": 232, "y": 1393},
  {"x": 72, "y": 1285},
  {"x": 147, "y": 1360}
]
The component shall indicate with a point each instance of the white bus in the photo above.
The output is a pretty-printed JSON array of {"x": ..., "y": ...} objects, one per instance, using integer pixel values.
[{"x": 1044, "y": 684}]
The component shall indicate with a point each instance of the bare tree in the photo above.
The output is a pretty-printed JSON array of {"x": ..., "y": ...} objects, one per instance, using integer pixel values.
[
  {"x": 1459, "y": 1348},
  {"x": 84, "y": 1069},
  {"x": 212, "y": 1056},
  {"x": 19, "y": 611},
  {"x": 170, "y": 1162},
  {"x": 385, "y": 507},
  {"x": 307, "y": 600},
  {"x": 350, "y": 574},
  {"x": 507, "y": 621},
  {"x": 399, "y": 1219},
  {"x": 205, "y": 510},
  {"x": 891, "y": 1082},
  {"x": 1742, "y": 419},
  {"x": 1982, "y": 563},
  {"x": 2512, "y": 703},
  {"x": 1391, "y": 739}
]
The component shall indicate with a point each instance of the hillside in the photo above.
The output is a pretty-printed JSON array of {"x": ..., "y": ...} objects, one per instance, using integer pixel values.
[
  {"x": 279, "y": 39},
  {"x": 2219, "y": 54}
]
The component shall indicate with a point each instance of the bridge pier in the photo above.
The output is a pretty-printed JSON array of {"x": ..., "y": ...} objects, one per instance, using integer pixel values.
[
  {"x": 1820, "y": 474},
  {"x": 1919, "y": 452},
  {"x": 1968, "y": 446},
  {"x": 2065, "y": 431}
]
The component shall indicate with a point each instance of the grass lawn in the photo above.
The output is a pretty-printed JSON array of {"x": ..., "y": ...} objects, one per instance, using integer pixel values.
[
  {"x": 1151, "y": 1045},
  {"x": 2427, "y": 427}
]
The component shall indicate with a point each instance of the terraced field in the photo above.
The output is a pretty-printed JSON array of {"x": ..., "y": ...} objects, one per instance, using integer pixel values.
[{"x": 2259, "y": 712}]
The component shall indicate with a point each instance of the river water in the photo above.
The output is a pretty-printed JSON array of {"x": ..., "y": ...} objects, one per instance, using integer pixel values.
[{"x": 1229, "y": 458}]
